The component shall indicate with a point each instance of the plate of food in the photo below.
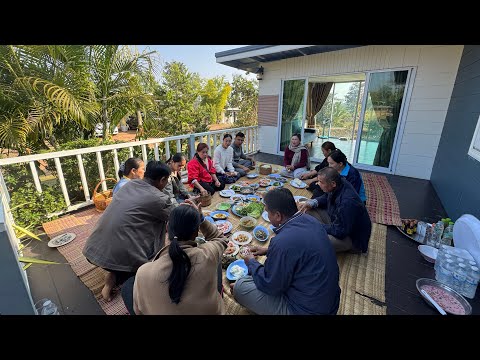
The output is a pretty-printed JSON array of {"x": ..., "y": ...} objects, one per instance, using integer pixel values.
[
  {"x": 242, "y": 238},
  {"x": 297, "y": 183},
  {"x": 254, "y": 186},
  {"x": 237, "y": 208},
  {"x": 248, "y": 222},
  {"x": 265, "y": 216},
  {"x": 227, "y": 193},
  {"x": 232, "y": 249},
  {"x": 252, "y": 176},
  {"x": 447, "y": 298},
  {"x": 276, "y": 183},
  {"x": 224, "y": 226},
  {"x": 243, "y": 183},
  {"x": 274, "y": 176},
  {"x": 261, "y": 233},
  {"x": 235, "y": 187},
  {"x": 236, "y": 270},
  {"x": 264, "y": 182},
  {"x": 224, "y": 206},
  {"x": 255, "y": 198},
  {"x": 237, "y": 198},
  {"x": 219, "y": 215},
  {"x": 409, "y": 229},
  {"x": 61, "y": 240},
  {"x": 300, "y": 199},
  {"x": 245, "y": 190}
]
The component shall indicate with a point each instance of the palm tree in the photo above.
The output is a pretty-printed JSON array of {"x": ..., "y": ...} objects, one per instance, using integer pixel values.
[
  {"x": 41, "y": 86},
  {"x": 119, "y": 76}
]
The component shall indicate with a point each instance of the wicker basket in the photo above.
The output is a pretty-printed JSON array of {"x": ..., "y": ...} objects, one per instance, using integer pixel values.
[
  {"x": 265, "y": 170},
  {"x": 206, "y": 200},
  {"x": 102, "y": 199}
]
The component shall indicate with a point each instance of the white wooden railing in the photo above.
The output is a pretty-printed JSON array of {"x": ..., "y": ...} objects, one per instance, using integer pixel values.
[{"x": 212, "y": 138}]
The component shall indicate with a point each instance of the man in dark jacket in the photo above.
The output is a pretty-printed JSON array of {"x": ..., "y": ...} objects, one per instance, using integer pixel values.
[
  {"x": 300, "y": 275},
  {"x": 345, "y": 219}
]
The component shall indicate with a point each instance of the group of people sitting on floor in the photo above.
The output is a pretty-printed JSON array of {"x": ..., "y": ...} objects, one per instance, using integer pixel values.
[{"x": 180, "y": 276}]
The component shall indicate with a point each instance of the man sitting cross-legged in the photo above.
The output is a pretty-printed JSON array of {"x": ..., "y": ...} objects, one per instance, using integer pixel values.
[
  {"x": 300, "y": 275},
  {"x": 341, "y": 212}
]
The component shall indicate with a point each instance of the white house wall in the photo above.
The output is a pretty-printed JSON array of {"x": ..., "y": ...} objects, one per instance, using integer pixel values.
[{"x": 436, "y": 66}]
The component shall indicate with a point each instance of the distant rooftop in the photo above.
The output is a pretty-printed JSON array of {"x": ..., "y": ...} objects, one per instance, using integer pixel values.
[{"x": 249, "y": 58}]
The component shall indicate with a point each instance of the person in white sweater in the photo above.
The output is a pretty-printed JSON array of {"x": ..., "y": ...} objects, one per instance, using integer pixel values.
[{"x": 223, "y": 157}]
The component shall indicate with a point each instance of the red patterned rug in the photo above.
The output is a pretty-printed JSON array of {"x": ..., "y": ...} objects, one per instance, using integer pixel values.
[
  {"x": 82, "y": 224},
  {"x": 382, "y": 204}
]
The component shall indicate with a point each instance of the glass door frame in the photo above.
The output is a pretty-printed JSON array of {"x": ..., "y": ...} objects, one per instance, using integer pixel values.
[
  {"x": 400, "y": 125},
  {"x": 280, "y": 111}
]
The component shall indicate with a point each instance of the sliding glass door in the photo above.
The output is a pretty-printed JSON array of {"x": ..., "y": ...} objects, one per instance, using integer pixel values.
[
  {"x": 381, "y": 117},
  {"x": 293, "y": 110}
]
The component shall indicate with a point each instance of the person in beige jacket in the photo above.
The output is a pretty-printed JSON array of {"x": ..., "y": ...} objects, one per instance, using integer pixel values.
[{"x": 182, "y": 278}]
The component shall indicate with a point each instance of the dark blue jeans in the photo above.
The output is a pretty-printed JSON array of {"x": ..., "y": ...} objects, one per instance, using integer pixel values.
[{"x": 127, "y": 290}]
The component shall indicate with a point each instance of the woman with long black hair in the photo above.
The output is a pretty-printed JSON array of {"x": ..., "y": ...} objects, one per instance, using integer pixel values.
[
  {"x": 183, "y": 278},
  {"x": 175, "y": 187}
]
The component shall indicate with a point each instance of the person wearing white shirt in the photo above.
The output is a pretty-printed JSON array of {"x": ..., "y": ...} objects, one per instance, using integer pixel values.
[{"x": 223, "y": 157}]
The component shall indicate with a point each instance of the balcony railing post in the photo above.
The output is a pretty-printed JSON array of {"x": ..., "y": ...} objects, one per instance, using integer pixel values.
[
  {"x": 191, "y": 145},
  {"x": 157, "y": 156},
  {"x": 63, "y": 186},
  {"x": 4, "y": 186},
  {"x": 116, "y": 165},
  {"x": 101, "y": 172},
  {"x": 144, "y": 153},
  {"x": 36, "y": 180},
  {"x": 179, "y": 145},
  {"x": 167, "y": 150},
  {"x": 256, "y": 139},
  {"x": 83, "y": 177}
]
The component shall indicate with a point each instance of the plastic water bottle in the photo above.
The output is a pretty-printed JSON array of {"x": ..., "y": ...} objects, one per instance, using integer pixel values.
[
  {"x": 459, "y": 277},
  {"x": 447, "y": 235},
  {"x": 48, "y": 308},
  {"x": 445, "y": 272},
  {"x": 471, "y": 282}
]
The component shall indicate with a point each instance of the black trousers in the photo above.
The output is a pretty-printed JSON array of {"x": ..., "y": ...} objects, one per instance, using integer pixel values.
[{"x": 210, "y": 187}]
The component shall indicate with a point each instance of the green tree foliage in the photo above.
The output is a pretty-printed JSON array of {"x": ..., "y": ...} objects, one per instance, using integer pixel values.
[
  {"x": 214, "y": 97},
  {"x": 40, "y": 87},
  {"x": 179, "y": 111},
  {"x": 244, "y": 96}
]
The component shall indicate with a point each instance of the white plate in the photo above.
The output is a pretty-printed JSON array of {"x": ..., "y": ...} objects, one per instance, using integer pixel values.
[
  {"x": 252, "y": 176},
  {"x": 298, "y": 197},
  {"x": 227, "y": 193},
  {"x": 61, "y": 239},
  {"x": 237, "y": 249},
  {"x": 221, "y": 222},
  {"x": 234, "y": 238},
  {"x": 265, "y": 216},
  {"x": 302, "y": 186}
]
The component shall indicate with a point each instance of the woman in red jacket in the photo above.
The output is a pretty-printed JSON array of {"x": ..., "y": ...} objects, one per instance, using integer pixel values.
[{"x": 201, "y": 172}]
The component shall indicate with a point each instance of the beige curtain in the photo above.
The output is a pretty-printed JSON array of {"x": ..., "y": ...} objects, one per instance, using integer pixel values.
[{"x": 317, "y": 94}]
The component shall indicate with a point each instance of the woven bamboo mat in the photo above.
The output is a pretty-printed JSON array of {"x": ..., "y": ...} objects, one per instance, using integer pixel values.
[
  {"x": 382, "y": 204},
  {"x": 362, "y": 277},
  {"x": 82, "y": 224}
]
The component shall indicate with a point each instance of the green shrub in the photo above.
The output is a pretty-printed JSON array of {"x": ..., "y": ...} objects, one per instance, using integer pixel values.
[{"x": 29, "y": 206}]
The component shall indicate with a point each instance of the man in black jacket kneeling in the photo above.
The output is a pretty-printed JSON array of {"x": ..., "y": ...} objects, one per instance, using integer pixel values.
[{"x": 342, "y": 213}]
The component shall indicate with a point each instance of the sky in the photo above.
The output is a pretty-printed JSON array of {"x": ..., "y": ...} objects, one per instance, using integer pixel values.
[{"x": 197, "y": 58}]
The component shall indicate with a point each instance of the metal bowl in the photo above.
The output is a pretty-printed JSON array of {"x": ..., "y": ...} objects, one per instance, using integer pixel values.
[{"x": 424, "y": 281}]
